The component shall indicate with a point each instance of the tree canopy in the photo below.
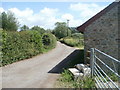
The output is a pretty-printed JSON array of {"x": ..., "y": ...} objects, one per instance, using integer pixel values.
[
  {"x": 39, "y": 29},
  {"x": 61, "y": 30},
  {"x": 24, "y": 27},
  {"x": 8, "y": 21}
]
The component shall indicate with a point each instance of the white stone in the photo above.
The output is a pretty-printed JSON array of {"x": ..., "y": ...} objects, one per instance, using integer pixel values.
[
  {"x": 80, "y": 66},
  {"x": 78, "y": 75},
  {"x": 76, "y": 72},
  {"x": 86, "y": 71}
]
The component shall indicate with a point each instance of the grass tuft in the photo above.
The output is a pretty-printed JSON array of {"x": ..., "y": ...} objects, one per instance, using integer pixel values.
[{"x": 67, "y": 81}]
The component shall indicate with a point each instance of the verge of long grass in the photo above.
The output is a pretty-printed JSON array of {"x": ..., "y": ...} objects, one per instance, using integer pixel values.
[
  {"x": 73, "y": 42},
  {"x": 67, "y": 81}
]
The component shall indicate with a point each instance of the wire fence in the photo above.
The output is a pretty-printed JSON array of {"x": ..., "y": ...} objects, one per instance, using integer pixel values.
[{"x": 105, "y": 69}]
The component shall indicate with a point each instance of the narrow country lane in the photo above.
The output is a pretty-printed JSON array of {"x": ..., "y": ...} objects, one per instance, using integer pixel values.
[{"x": 37, "y": 71}]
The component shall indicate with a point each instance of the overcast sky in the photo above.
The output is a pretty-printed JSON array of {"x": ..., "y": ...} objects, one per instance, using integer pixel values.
[{"x": 46, "y": 14}]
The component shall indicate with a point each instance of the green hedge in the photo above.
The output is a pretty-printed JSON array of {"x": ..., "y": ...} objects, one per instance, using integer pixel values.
[
  {"x": 1, "y": 46},
  {"x": 49, "y": 41},
  {"x": 70, "y": 41},
  {"x": 22, "y": 45}
]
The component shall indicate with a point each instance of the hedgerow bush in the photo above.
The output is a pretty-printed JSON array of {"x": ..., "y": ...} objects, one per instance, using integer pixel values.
[
  {"x": 71, "y": 41},
  {"x": 49, "y": 41},
  {"x": 0, "y": 46},
  {"x": 21, "y": 45},
  {"x": 75, "y": 40},
  {"x": 77, "y": 35}
]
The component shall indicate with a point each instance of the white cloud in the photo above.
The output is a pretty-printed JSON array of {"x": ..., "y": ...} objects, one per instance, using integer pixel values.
[
  {"x": 23, "y": 13},
  {"x": 67, "y": 16},
  {"x": 45, "y": 18},
  {"x": 48, "y": 11},
  {"x": 1, "y": 10},
  {"x": 72, "y": 21},
  {"x": 85, "y": 10}
]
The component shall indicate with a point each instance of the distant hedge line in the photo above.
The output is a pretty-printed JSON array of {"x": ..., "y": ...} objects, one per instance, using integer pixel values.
[
  {"x": 17, "y": 46},
  {"x": 73, "y": 42}
]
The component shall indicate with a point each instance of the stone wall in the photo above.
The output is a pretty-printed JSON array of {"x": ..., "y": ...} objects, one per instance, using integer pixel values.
[{"x": 103, "y": 34}]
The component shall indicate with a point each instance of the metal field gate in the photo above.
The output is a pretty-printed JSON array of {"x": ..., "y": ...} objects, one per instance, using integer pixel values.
[{"x": 105, "y": 69}]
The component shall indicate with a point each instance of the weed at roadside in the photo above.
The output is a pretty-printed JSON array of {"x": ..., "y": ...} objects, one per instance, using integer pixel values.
[{"x": 67, "y": 81}]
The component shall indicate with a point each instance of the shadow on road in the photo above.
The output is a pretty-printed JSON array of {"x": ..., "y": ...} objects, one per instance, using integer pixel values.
[{"x": 72, "y": 59}]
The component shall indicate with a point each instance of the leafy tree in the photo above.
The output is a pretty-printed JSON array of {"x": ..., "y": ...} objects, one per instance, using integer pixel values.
[
  {"x": 9, "y": 22},
  {"x": 3, "y": 21},
  {"x": 24, "y": 27},
  {"x": 39, "y": 29},
  {"x": 60, "y": 23},
  {"x": 77, "y": 35},
  {"x": 73, "y": 30},
  {"x": 0, "y": 20},
  {"x": 61, "y": 30},
  {"x": 49, "y": 31}
]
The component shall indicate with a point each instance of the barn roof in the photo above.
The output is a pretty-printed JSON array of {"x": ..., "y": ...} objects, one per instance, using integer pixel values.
[{"x": 98, "y": 15}]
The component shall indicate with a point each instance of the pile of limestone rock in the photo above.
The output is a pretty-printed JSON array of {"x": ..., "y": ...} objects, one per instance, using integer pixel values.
[{"x": 81, "y": 71}]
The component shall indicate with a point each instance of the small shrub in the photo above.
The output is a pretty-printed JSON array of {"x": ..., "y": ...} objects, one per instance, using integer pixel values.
[
  {"x": 112, "y": 76},
  {"x": 88, "y": 83},
  {"x": 48, "y": 40},
  {"x": 66, "y": 76}
]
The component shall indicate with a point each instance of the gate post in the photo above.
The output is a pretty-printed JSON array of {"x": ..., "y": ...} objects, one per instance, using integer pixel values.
[{"x": 92, "y": 61}]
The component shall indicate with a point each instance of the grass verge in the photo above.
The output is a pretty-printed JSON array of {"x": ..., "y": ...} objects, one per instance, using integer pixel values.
[
  {"x": 66, "y": 79},
  {"x": 73, "y": 42}
]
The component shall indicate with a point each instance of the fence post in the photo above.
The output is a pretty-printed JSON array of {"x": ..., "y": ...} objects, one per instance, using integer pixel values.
[{"x": 92, "y": 61}]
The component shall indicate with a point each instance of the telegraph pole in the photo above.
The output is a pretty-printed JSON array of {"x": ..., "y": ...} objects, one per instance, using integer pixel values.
[
  {"x": 67, "y": 25},
  {"x": 68, "y": 22}
]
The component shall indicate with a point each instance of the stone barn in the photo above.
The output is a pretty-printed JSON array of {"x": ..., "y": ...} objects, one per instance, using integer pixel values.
[{"x": 102, "y": 31}]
